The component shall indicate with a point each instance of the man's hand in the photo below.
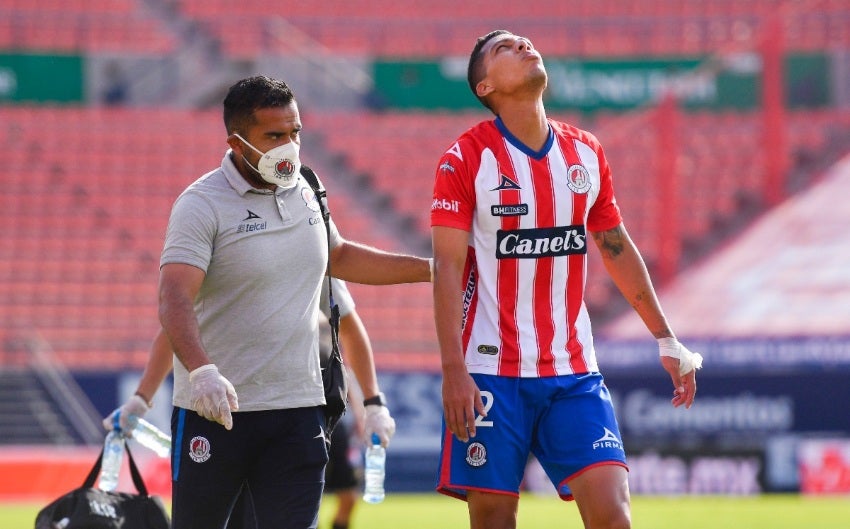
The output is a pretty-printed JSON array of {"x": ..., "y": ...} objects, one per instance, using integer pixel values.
[
  {"x": 682, "y": 366},
  {"x": 461, "y": 399},
  {"x": 212, "y": 395},
  {"x": 378, "y": 421},
  {"x": 135, "y": 405}
]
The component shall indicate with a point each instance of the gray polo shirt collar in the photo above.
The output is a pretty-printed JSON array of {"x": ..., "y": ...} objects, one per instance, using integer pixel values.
[{"x": 236, "y": 180}]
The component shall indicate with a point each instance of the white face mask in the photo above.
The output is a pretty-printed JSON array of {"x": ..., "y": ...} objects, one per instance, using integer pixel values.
[{"x": 279, "y": 166}]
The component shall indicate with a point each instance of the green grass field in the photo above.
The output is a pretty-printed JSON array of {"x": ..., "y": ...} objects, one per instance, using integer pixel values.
[{"x": 432, "y": 511}]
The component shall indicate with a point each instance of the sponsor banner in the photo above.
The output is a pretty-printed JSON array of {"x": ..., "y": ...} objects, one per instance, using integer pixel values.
[
  {"x": 731, "y": 409},
  {"x": 696, "y": 472},
  {"x": 824, "y": 466},
  {"x": 730, "y": 82},
  {"x": 43, "y": 473},
  {"x": 416, "y": 402},
  {"x": 681, "y": 472},
  {"x": 762, "y": 354},
  {"x": 32, "y": 78},
  {"x": 744, "y": 434}
]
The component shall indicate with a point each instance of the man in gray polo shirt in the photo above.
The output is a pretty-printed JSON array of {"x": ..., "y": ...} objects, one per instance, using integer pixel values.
[{"x": 240, "y": 281}]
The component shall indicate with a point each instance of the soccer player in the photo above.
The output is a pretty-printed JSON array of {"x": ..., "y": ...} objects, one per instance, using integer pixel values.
[
  {"x": 240, "y": 277},
  {"x": 515, "y": 199}
]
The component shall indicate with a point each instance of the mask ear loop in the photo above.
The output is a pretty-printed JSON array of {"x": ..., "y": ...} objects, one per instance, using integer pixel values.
[{"x": 243, "y": 140}]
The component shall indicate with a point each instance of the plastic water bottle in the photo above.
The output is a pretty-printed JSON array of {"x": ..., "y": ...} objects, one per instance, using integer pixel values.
[
  {"x": 113, "y": 453},
  {"x": 149, "y": 435},
  {"x": 376, "y": 458}
]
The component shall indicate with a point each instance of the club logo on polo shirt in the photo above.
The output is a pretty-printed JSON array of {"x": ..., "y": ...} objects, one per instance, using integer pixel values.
[
  {"x": 199, "y": 449},
  {"x": 251, "y": 223},
  {"x": 476, "y": 454}
]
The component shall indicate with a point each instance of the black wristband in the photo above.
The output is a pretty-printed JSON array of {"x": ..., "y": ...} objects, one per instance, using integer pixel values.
[{"x": 377, "y": 400}]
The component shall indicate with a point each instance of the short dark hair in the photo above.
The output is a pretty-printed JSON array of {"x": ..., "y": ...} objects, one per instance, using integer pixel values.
[
  {"x": 251, "y": 94},
  {"x": 474, "y": 71}
]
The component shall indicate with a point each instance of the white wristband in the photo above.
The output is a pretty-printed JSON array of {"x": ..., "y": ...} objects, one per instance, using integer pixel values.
[
  {"x": 688, "y": 361},
  {"x": 431, "y": 266}
]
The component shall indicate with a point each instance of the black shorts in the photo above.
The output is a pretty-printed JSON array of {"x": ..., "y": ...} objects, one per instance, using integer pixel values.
[
  {"x": 341, "y": 473},
  {"x": 279, "y": 454}
]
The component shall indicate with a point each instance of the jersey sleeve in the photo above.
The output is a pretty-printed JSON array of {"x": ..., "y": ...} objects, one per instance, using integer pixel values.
[
  {"x": 454, "y": 190},
  {"x": 191, "y": 232},
  {"x": 605, "y": 213}
]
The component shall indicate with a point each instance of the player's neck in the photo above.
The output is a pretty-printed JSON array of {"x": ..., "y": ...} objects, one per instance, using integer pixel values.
[{"x": 527, "y": 121}]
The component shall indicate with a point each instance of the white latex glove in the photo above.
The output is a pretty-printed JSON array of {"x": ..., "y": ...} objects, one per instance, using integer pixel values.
[
  {"x": 212, "y": 395},
  {"x": 379, "y": 421},
  {"x": 688, "y": 361},
  {"x": 135, "y": 405}
]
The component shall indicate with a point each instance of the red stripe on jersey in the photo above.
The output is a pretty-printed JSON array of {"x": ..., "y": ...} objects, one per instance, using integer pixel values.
[
  {"x": 575, "y": 279},
  {"x": 507, "y": 289},
  {"x": 544, "y": 326}
]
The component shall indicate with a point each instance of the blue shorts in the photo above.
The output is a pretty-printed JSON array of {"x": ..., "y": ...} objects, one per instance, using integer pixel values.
[{"x": 567, "y": 422}]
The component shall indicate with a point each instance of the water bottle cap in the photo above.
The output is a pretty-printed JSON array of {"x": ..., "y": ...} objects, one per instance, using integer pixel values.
[{"x": 375, "y": 439}]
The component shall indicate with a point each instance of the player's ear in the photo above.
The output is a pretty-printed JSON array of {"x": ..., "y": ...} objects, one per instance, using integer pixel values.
[
  {"x": 483, "y": 88},
  {"x": 235, "y": 144}
]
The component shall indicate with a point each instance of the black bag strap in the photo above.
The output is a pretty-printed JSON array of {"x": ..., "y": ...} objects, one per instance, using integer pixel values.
[
  {"x": 322, "y": 197},
  {"x": 134, "y": 471}
]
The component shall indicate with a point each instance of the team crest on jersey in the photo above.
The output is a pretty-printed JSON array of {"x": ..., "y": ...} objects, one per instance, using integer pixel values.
[
  {"x": 446, "y": 167},
  {"x": 506, "y": 183},
  {"x": 578, "y": 179},
  {"x": 199, "y": 449},
  {"x": 476, "y": 454}
]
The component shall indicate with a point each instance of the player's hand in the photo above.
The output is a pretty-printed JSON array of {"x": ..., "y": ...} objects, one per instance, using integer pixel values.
[
  {"x": 682, "y": 366},
  {"x": 212, "y": 395},
  {"x": 461, "y": 399},
  {"x": 378, "y": 421},
  {"x": 135, "y": 405}
]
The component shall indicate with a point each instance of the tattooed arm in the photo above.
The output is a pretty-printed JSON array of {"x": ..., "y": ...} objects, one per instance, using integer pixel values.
[{"x": 628, "y": 271}]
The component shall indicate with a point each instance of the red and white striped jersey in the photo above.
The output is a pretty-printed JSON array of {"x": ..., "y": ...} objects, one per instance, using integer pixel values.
[{"x": 527, "y": 214}]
